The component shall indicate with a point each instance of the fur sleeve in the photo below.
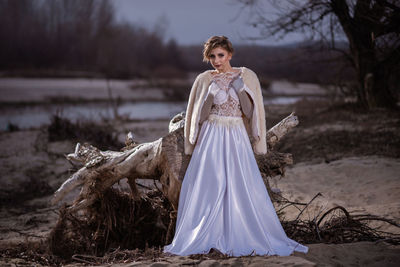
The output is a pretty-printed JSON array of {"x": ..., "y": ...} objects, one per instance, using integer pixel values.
[
  {"x": 258, "y": 120},
  {"x": 188, "y": 119}
]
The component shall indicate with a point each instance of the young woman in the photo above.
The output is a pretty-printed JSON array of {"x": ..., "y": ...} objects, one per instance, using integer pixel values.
[{"x": 223, "y": 203}]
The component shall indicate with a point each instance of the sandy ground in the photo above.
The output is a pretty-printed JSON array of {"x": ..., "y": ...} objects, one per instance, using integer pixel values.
[
  {"x": 362, "y": 180},
  {"x": 353, "y": 254},
  {"x": 362, "y": 185}
]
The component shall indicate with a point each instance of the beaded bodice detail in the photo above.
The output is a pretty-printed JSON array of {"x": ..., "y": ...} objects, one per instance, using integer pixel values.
[{"x": 226, "y": 101}]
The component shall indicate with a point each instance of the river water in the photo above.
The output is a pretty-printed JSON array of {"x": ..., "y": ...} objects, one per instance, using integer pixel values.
[
  {"x": 38, "y": 115},
  {"x": 140, "y": 103}
]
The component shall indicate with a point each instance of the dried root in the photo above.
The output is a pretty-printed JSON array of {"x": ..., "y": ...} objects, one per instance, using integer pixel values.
[
  {"x": 117, "y": 221},
  {"x": 337, "y": 225}
]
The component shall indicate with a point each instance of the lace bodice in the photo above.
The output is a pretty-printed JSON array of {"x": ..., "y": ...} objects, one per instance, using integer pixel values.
[{"x": 226, "y": 101}]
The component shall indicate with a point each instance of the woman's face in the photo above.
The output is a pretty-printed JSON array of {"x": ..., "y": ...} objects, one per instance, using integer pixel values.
[{"x": 220, "y": 59}]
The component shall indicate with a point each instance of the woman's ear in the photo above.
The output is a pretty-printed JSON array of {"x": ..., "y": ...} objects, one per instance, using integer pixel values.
[{"x": 230, "y": 55}]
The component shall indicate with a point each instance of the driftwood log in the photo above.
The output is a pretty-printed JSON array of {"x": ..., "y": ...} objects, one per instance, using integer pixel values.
[{"x": 163, "y": 160}]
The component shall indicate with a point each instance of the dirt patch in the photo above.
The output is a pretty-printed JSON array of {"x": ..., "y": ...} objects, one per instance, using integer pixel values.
[
  {"x": 329, "y": 132},
  {"x": 30, "y": 189}
]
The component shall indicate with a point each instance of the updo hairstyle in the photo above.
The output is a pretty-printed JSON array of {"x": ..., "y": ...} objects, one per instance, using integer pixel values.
[{"x": 214, "y": 42}]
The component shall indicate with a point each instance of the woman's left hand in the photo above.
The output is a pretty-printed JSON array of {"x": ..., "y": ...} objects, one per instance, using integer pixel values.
[{"x": 237, "y": 84}]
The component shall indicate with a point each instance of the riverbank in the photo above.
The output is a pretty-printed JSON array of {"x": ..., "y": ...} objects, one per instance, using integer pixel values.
[{"x": 348, "y": 155}]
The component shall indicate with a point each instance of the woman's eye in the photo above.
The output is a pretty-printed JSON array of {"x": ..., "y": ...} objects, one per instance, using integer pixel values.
[
  {"x": 221, "y": 55},
  {"x": 212, "y": 56}
]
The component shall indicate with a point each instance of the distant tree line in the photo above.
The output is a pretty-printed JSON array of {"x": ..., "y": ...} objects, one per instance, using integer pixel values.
[
  {"x": 300, "y": 62},
  {"x": 80, "y": 35}
]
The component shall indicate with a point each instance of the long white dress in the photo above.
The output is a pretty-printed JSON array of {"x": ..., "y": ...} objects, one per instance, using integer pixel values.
[{"x": 223, "y": 202}]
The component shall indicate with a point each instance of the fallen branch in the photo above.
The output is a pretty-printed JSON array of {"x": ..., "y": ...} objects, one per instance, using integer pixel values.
[{"x": 163, "y": 160}]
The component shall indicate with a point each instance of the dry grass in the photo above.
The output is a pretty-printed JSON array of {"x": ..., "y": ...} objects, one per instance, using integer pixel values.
[{"x": 101, "y": 136}]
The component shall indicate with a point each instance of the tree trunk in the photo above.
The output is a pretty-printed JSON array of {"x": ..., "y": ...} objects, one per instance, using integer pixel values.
[
  {"x": 373, "y": 79},
  {"x": 162, "y": 160},
  {"x": 372, "y": 73}
]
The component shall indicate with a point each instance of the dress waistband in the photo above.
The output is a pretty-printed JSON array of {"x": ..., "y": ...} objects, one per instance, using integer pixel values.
[{"x": 225, "y": 120}]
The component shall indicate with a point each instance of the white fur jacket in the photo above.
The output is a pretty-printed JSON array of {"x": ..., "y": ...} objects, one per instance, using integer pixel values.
[{"x": 255, "y": 126}]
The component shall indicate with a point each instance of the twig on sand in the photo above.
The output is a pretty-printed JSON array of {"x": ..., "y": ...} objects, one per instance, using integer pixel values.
[
  {"x": 83, "y": 258},
  {"x": 308, "y": 204}
]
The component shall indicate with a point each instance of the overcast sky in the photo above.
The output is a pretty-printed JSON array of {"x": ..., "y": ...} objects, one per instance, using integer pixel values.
[{"x": 193, "y": 21}]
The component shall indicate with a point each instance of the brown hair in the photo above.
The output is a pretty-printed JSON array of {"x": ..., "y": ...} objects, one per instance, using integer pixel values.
[{"x": 214, "y": 42}]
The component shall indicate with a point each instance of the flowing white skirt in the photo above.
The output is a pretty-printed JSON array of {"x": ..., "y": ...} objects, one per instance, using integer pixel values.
[{"x": 223, "y": 202}]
